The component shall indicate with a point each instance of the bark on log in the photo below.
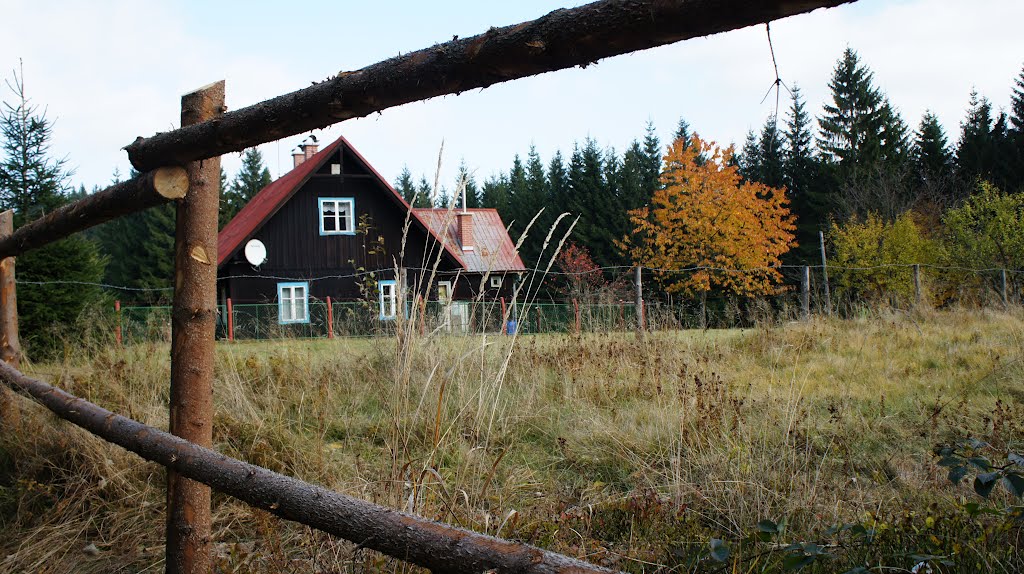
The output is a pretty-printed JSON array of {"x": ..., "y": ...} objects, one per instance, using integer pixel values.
[
  {"x": 433, "y": 545},
  {"x": 147, "y": 190},
  {"x": 562, "y": 39},
  {"x": 193, "y": 315},
  {"x": 10, "y": 345}
]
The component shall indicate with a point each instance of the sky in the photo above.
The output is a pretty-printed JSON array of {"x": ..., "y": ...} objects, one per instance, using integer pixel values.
[{"x": 107, "y": 71}]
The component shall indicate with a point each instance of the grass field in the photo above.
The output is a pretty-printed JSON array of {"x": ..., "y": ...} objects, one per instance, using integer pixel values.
[{"x": 630, "y": 453}]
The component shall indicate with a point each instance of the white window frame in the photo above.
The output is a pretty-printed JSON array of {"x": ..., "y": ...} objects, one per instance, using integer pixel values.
[
  {"x": 495, "y": 282},
  {"x": 388, "y": 297},
  {"x": 287, "y": 300},
  {"x": 349, "y": 219},
  {"x": 447, "y": 286}
]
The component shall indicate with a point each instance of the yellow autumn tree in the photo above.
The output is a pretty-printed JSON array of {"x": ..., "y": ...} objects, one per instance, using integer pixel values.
[{"x": 722, "y": 232}]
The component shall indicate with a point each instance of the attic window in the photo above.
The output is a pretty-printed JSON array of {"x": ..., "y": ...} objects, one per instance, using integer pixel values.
[
  {"x": 335, "y": 169},
  {"x": 337, "y": 216},
  {"x": 495, "y": 282}
]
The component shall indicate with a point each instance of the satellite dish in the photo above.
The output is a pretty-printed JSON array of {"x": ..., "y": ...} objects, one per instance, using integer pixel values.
[{"x": 255, "y": 252}]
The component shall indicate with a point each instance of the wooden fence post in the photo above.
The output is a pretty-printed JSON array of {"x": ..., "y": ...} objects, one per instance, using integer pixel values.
[
  {"x": 638, "y": 281},
  {"x": 805, "y": 293},
  {"x": 917, "y": 283},
  {"x": 824, "y": 274},
  {"x": 576, "y": 308},
  {"x": 193, "y": 326},
  {"x": 117, "y": 328},
  {"x": 10, "y": 347},
  {"x": 330, "y": 318},
  {"x": 1005, "y": 291}
]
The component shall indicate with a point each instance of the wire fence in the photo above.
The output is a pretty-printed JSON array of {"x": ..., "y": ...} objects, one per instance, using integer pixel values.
[{"x": 848, "y": 292}]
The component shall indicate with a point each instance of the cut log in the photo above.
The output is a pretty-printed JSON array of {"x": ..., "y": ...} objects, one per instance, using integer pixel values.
[
  {"x": 147, "y": 190},
  {"x": 562, "y": 39},
  {"x": 193, "y": 315}
]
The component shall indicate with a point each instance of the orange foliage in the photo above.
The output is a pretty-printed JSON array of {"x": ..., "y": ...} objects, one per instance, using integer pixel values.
[{"x": 705, "y": 216}]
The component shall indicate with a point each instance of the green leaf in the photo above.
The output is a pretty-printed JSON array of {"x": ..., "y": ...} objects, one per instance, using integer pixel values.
[
  {"x": 983, "y": 483},
  {"x": 957, "y": 473},
  {"x": 768, "y": 526},
  {"x": 980, "y": 462},
  {"x": 796, "y": 561},
  {"x": 857, "y": 570},
  {"x": 950, "y": 461},
  {"x": 719, "y": 550},
  {"x": 1014, "y": 483},
  {"x": 1016, "y": 459},
  {"x": 976, "y": 443}
]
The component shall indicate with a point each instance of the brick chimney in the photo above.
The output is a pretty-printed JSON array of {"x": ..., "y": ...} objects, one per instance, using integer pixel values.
[
  {"x": 298, "y": 157},
  {"x": 465, "y": 222},
  {"x": 310, "y": 149}
]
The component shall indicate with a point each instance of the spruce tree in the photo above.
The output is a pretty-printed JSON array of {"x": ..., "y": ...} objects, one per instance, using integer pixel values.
[
  {"x": 529, "y": 201},
  {"x": 932, "y": 164},
  {"x": 853, "y": 120},
  {"x": 976, "y": 150},
  {"x": 770, "y": 153},
  {"x": 749, "y": 159},
  {"x": 558, "y": 183},
  {"x": 405, "y": 186},
  {"x": 652, "y": 157},
  {"x": 494, "y": 194},
  {"x": 804, "y": 183},
  {"x": 250, "y": 179},
  {"x": 472, "y": 192},
  {"x": 57, "y": 281},
  {"x": 424, "y": 193}
]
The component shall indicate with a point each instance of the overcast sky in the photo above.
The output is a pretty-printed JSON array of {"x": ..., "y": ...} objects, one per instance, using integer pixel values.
[{"x": 108, "y": 71}]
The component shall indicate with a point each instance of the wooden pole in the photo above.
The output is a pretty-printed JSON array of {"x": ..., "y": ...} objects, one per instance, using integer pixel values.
[
  {"x": 562, "y": 39},
  {"x": 824, "y": 273},
  {"x": 192, "y": 342},
  {"x": 231, "y": 321},
  {"x": 1005, "y": 290},
  {"x": 10, "y": 346},
  {"x": 805, "y": 293},
  {"x": 638, "y": 283},
  {"x": 917, "y": 283},
  {"x": 576, "y": 308},
  {"x": 117, "y": 328},
  {"x": 330, "y": 318},
  {"x": 147, "y": 190}
]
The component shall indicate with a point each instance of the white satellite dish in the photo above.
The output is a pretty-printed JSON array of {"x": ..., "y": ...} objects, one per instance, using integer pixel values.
[{"x": 255, "y": 252}]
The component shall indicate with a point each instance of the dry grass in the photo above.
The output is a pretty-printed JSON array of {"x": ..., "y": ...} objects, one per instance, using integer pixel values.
[{"x": 632, "y": 453}]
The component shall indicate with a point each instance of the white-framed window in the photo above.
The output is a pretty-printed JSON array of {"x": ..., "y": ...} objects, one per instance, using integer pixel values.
[
  {"x": 388, "y": 298},
  {"x": 337, "y": 216},
  {"x": 444, "y": 291},
  {"x": 293, "y": 302},
  {"x": 495, "y": 282}
]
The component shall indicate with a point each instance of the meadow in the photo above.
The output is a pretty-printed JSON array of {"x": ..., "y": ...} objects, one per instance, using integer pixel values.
[{"x": 799, "y": 446}]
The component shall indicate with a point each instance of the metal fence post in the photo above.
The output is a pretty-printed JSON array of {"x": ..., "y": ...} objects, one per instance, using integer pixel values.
[
  {"x": 330, "y": 318},
  {"x": 805, "y": 293},
  {"x": 193, "y": 326},
  {"x": 231, "y": 320}
]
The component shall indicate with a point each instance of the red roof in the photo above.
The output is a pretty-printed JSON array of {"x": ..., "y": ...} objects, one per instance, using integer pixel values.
[
  {"x": 493, "y": 250},
  {"x": 266, "y": 203}
]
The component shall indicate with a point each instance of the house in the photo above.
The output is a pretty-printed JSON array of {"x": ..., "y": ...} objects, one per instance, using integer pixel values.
[{"x": 333, "y": 227}]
